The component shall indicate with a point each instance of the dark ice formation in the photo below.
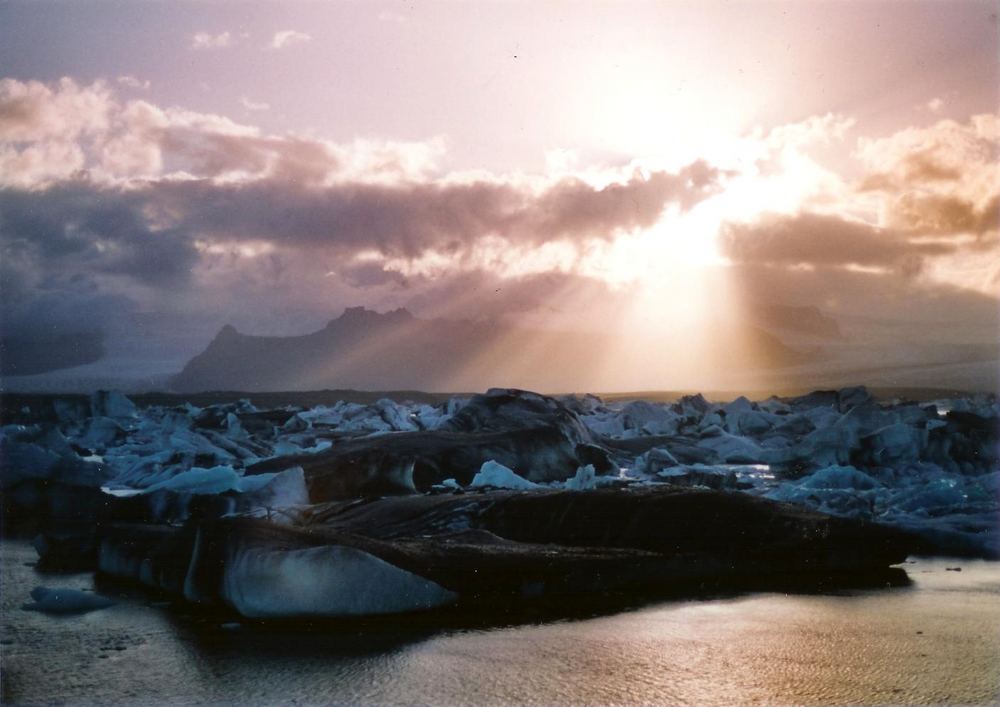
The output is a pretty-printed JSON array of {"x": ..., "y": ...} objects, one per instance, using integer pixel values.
[{"x": 293, "y": 511}]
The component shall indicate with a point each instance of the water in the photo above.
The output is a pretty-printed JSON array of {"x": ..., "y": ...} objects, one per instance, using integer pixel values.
[{"x": 936, "y": 641}]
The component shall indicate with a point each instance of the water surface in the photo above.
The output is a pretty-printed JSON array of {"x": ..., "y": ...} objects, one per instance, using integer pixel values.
[{"x": 936, "y": 641}]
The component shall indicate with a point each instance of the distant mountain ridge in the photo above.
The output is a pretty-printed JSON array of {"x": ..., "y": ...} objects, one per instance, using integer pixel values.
[{"x": 364, "y": 349}]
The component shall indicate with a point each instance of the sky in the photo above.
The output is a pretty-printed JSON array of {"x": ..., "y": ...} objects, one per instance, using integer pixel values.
[{"x": 631, "y": 168}]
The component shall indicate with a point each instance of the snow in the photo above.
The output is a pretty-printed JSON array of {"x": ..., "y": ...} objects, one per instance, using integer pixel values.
[
  {"x": 327, "y": 581},
  {"x": 495, "y": 475},
  {"x": 60, "y": 600}
]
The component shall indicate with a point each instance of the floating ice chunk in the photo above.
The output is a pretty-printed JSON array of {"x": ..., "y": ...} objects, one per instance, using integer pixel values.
[
  {"x": 111, "y": 403},
  {"x": 654, "y": 461},
  {"x": 845, "y": 502},
  {"x": 942, "y": 495},
  {"x": 396, "y": 416},
  {"x": 712, "y": 418},
  {"x": 325, "y": 581},
  {"x": 826, "y": 446},
  {"x": 854, "y": 396},
  {"x": 691, "y": 406},
  {"x": 282, "y": 490},
  {"x": 895, "y": 444},
  {"x": 584, "y": 479},
  {"x": 234, "y": 428},
  {"x": 295, "y": 423},
  {"x": 428, "y": 417},
  {"x": 775, "y": 406},
  {"x": 323, "y": 415},
  {"x": 839, "y": 477},
  {"x": 20, "y": 460},
  {"x": 699, "y": 475},
  {"x": 286, "y": 447},
  {"x": 59, "y": 600},
  {"x": 607, "y": 424},
  {"x": 750, "y": 422},
  {"x": 100, "y": 433},
  {"x": 455, "y": 404},
  {"x": 218, "y": 479},
  {"x": 649, "y": 418},
  {"x": 821, "y": 417},
  {"x": 732, "y": 449},
  {"x": 741, "y": 404},
  {"x": 498, "y": 476},
  {"x": 70, "y": 411}
]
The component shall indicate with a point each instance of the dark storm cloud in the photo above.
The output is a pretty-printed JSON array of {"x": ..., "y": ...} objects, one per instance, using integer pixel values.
[
  {"x": 148, "y": 233},
  {"x": 55, "y": 245},
  {"x": 362, "y": 275},
  {"x": 820, "y": 240},
  {"x": 55, "y": 322},
  {"x": 409, "y": 218},
  {"x": 78, "y": 227}
]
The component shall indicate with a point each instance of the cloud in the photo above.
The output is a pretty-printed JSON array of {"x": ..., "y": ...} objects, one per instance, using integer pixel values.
[
  {"x": 254, "y": 105},
  {"x": 130, "y": 81},
  {"x": 31, "y": 111},
  {"x": 53, "y": 322},
  {"x": 52, "y": 132},
  {"x": 231, "y": 182},
  {"x": 409, "y": 218},
  {"x": 288, "y": 37},
  {"x": 207, "y": 40},
  {"x": 824, "y": 241},
  {"x": 172, "y": 207},
  {"x": 157, "y": 207},
  {"x": 939, "y": 180},
  {"x": 77, "y": 229}
]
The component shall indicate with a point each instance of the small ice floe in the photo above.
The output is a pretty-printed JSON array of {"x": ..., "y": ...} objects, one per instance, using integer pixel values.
[
  {"x": 61, "y": 600},
  {"x": 495, "y": 475}
]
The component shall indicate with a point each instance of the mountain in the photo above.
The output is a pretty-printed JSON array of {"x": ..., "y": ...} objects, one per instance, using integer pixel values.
[{"x": 367, "y": 350}]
